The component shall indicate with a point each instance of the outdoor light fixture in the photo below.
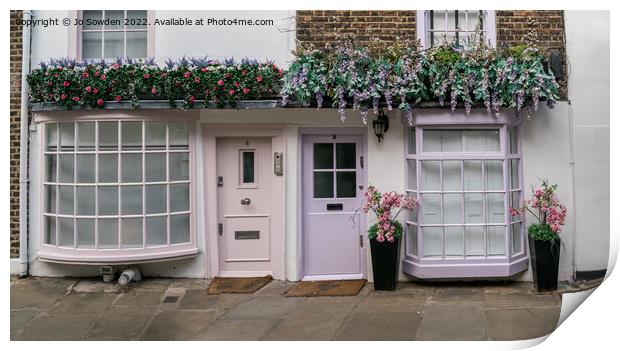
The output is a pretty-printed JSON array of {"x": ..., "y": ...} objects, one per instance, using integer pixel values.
[{"x": 381, "y": 124}]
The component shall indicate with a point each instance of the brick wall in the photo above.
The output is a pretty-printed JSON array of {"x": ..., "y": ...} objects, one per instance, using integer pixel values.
[{"x": 15, "y": 103}]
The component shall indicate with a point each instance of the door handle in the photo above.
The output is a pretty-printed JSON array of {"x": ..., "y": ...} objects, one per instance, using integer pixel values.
[{"x": 245, "y": 201}]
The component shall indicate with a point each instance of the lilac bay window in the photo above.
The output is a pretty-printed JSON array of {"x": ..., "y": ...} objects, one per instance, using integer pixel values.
[{"x": 465, "y": 176}]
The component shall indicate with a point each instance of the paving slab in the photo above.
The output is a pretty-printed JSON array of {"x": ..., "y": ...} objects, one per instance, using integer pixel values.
[
  {"x": 159, "y": 284},
  {"x": 452, "y": 321},
  {"x": 381, "y": 326},
  {"x": 520, "y": 324},
  {"x": 261, "y": 307},
  {"x": 95, "y": 285},
  {"x": 19, "y": 319},
  {"x": 85, "y": 303},
  {"x": 386, "y": 302},
  {"x": 177, "y": 325},
  {"x": 237, "y": 329},
  {"x": 458, "y": 295},
  {"x": 58, "y": 327},
  {"x": 197, "y": 299},
  {"x": 38, "y": 293},
  {"x": 190, "y": 283},
  {"x": 121, "y": 323},
  {"x": 135, "y": 297},
  {"x": 495, "y": 300}
]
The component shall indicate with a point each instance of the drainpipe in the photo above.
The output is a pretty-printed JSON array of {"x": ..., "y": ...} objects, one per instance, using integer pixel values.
[
  {"x": 571, "y": 139},
  {"x": 23, "y": 151}
]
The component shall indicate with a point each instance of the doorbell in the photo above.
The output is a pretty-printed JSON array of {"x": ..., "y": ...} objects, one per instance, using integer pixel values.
[{"x": 277, "y": 163}]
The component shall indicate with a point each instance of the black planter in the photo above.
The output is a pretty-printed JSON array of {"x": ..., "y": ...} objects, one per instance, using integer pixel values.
[
  {"x": 545, "y": 258},
  {"x": 385, "y": 257}
]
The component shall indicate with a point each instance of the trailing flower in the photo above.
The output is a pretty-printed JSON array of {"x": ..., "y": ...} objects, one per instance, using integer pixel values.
[
  {"x": 306, "y": 77},
  {"x": 68, "y": 83},
  {"x": 387, "y": 227}
]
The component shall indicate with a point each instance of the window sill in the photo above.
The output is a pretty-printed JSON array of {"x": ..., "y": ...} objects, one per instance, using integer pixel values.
[
  {"x": 116, "y": 257},
  {"x": 443, "y": 269}
]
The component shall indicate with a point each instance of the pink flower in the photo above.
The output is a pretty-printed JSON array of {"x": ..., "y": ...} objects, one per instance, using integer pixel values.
[
  {"x": 117, "y": 98},
  {"x": 220, "y": 82},
  {"x": 204, "y": 69},
  {"x": 65, "y": 84},
  {"x": 63, "y": 96},
  {"x": 100, "y": 102},
  {"x": 76, "y": 99},
  {"x": 191, "y": 99},
  {"x": 88, "y": 89},
  {"x": 116, "y": 66},
  {"x": 153, "y": 90},
  {"x": 103, "y": 77},
  {"x": 95, "y": 90},
  {"x": 259, "y": 79},
  {"x": 236, "y": 84},
  {"x": 146, "y": 76},
  {"x": 85, "y": 75},
  {"x": 231, "y": 92},
  {"x": 196, "y": 80},
  {"x": 246, "y": 90},
  {"x": 380, "y": 238},
  {"x": 96, "y": 74},
  {"x": 186, "y": 75},
  {"x": 390, "y": 239},
  {"x": 538, "y": 192},
  {"x": 49, "y": 84}
]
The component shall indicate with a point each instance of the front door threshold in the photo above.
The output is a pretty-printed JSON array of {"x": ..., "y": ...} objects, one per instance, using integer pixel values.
[{"x": 333, "y": 277}]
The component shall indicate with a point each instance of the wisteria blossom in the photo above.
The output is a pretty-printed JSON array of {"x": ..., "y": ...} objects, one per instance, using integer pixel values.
[
  {"x": 382, "y": 205},
  {"x": 545, "y": 206}
]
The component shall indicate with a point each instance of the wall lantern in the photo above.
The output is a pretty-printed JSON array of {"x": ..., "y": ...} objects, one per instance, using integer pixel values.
[{"x": 381, "y": 124}]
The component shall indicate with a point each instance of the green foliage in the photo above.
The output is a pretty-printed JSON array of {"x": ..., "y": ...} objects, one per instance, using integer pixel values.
[
  {"x": 398, "y": 230},
  {"x": 541, "y": 232}
]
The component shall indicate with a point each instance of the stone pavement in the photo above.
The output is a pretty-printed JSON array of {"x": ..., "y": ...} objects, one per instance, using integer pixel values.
[{"x": 180, "y": 309}]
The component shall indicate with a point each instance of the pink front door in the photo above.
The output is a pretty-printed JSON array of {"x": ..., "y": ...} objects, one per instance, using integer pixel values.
[
  {"x": 244, "y": 195},
  {"x": 333, "y": 186}
]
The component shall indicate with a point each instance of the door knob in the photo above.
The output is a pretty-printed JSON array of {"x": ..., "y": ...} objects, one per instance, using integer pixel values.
[{"x": 245, "y": 201}]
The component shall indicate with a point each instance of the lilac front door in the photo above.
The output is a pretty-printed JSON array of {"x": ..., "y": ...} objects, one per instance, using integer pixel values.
[{"x": 333, "y": 185}]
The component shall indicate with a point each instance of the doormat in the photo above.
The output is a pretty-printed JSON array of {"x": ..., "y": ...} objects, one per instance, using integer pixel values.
[
  {"x": 326, "y": 288},
  {"x": 237, "y": 285}
]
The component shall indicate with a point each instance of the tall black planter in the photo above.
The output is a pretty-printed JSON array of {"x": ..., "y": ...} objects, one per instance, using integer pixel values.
[
  {"x": 385, "y": 257},
  {"x": 545, "y": 258}
]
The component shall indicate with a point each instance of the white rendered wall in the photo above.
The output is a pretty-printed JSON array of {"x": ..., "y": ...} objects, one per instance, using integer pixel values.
[
  {"x": 49, "y": 42},
  {"x": 587, "y": 47}
]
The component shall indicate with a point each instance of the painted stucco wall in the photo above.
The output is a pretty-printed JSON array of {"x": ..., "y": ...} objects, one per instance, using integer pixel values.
[{"x": 587, "y": 46}]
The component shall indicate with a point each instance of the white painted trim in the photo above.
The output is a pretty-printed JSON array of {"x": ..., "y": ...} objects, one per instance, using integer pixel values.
[
  {"x": 243, "y": 274},
  {"x": 333, "y": 277}
]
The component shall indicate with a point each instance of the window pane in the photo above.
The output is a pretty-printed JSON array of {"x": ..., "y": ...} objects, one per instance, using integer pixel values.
[
  {"x": 92, "y": 19},
  {"x": 155, "y": 170},
  {"x": 513, "y": 146},
  {"x": 131, "y": 168},
  {"x": 513, "y": 166},
  {"x": 50, "y": 168},
  {"x": 345, "y": 155},
  {"x": 454, "y": 241},
  {"x": 452, "y": 176},
  {"x": 108, "y": 233},
  {"x": 452, "y": 208},
  {"x": 451, "y": 140},
  {"x": 345, "y": 184},
  {"x": 413, "y": 214},
  {"x": 179, "y": 136},
  {"x": 108, "y": 200},
  {"x": 91, "y": 45},
  {"x": 156, "y": 231},
  {"x": 323, "y": 156},
  {"x": 412, "y": 145},
  {"x": 85, "y": 200},
  {"x": 497, "y": 240},
  {"x": 85, "y": 168},
  {"x": 247, "y": 163},
  {"x": 113, "y": 45},
  {"x": 136, "y": 19},
  {"x": 65, "y": 232},
  {"x": 131, "y": 134},
  {"x": 155, "y": 200},
  {"x": 65, "y": 200},
  {"x": 431, "y": 140},
  {"x": 179, "y": 229},
  {"x": 155, "y": 135},
  {"x": 86, "y": 136},
  {"x": 412, "y": 175},
  {"x": 432, "y": 241},
  {"x": 478, "y": 140},
  {"x": 474, "y": 241},
  {"x": 473, "y": 208},
  {"x": 495, "y": 208},
  {"x": 50, "y": 198},
  {"x": 136, "y": 44},
  {"x": 323, "y": 184},
  {"x": 472, "y": 175},
  {"x": 430, "y": 175},
  {"x": 67, "y": 136},
  {"x": 51, "y": 136},
  {"x": 108, "y": 168},
  {"x": 131, "y": 232},
  {"x": 515, "y": 202},
  {"x": 412, "y": 239},
  {"x": 108, "y": 136},
  {"x": 131, "y": 200},
  {"x": 179, "y": 166},
  {"x": 494, "y": 174},
  {"x": 516, "y": 237},
  {"x": 115, "y": 19},
  {"x": 430, "y": 208},
  {"x": 50, "y": 230},
  {"x": 85, "y": 233},
  {"x": 66, "y": 168},
  {"x": 179, "y": 197}
]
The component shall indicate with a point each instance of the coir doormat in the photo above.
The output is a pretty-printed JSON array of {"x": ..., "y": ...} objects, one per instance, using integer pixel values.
[
  {"x": 237, "y": 285},
  {"x": 327, "y": 288}
]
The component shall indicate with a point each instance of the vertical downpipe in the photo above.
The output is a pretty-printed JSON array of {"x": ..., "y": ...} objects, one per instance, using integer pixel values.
[
  {"x": 23, "y": 151},
  {"x": 571, "y": 163}
]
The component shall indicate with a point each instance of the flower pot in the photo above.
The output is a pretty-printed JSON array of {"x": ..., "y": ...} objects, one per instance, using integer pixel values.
[
  {"x": 385, "y": 257},
  {"x": 545, "y": 259}
]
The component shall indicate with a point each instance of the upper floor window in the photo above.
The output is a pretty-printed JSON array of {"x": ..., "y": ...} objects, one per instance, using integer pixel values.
[
  {"x": 436, "y": 27},
  {"x": 114, "y": 33}
]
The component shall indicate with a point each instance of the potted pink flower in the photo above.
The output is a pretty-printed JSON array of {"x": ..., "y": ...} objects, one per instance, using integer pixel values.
[
  {"x": 544, "y": 236},
  {"x": 385, "y": 235}
]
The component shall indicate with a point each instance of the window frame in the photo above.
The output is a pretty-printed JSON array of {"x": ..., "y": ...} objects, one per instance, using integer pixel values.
[
  {"x": 423, "y": 25},
  {"x": 97, "y": 255},
  {"x": 150, "y": 36}
]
